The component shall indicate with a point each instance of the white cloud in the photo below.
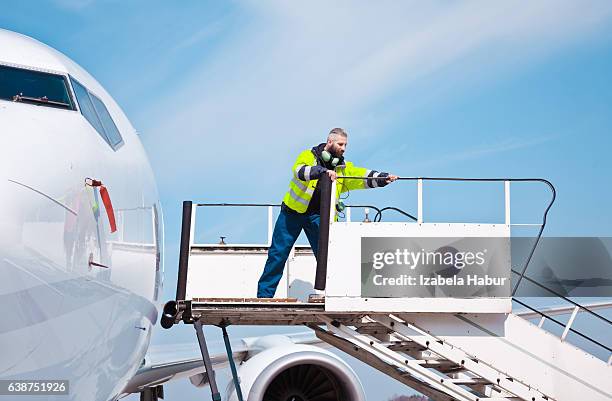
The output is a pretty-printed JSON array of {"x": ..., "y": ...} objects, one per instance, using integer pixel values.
[
  {"x": 205, "y": 33},
  {"x": 296, "y": 70},
  {"x": 488, "y": 150},
  {"x": 464, "y": 29}
]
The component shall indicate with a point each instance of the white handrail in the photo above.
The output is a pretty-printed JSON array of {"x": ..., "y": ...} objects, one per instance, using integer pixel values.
[{"x": 562, "y": 310}]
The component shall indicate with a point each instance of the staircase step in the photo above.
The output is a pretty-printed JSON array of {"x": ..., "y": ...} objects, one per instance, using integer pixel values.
[
  {"x": 404, "y": 346},
  {"x": 441, "y": 365},
  {"x": 375, "y": 330},
  {"x": 468, "y": 381}
]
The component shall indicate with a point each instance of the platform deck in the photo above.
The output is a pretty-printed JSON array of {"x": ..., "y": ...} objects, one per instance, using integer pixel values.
[{"x": 265, "y": 313}]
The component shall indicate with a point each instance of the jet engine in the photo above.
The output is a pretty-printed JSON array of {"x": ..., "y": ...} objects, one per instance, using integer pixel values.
[{"x": 283, "y": 371}]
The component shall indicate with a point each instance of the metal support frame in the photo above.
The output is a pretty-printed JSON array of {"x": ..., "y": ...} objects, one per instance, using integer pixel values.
[
  {"x": 230, "y": 359},
  {"x": 152, "y": 393},
  {"x": 379, "y": 353},
  {"x": 210, "y": 373}
]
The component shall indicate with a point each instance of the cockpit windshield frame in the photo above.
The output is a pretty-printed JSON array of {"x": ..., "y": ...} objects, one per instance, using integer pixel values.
[
  {"x": 96, "y": 113},
  {"x": 41, "y": 100}
]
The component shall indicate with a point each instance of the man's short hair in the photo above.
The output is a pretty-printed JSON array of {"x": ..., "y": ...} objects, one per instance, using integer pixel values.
[{"x": 335, "y": 133}]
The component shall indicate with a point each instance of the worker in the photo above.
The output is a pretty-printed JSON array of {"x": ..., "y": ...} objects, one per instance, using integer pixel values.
[{"x": 301, "y": 204}]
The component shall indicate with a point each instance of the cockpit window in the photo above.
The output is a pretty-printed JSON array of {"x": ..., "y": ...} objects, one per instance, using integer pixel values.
[
  {"x": 110, "y": 128},
  {"x": 34, "y": 87},
  {"x": 87, "y": 108},
  {"x": 95, "y": 112}
]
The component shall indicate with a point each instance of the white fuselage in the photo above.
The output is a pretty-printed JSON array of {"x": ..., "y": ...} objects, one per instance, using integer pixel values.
[{"x": 64, "y": 317}]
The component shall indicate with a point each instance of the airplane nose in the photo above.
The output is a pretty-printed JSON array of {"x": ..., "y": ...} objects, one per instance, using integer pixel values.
[{"x": 23, "y": 283}]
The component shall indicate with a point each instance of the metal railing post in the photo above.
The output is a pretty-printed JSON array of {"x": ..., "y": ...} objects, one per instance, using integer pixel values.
[
  {"x": 542, "y": 320},
  {"x": 420, "y": 200},
  {"x": 186, "y": 233},
  {"x": 325, "y": 186},
  {"x": 507, "y": 201},
  {"x": 194, "y": 207},
  {"x": 569, "y": 323},
  {"x": 270, "y": 225}
]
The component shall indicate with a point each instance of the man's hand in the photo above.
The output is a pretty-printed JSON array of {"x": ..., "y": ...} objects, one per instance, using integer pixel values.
[
  {"x": 391, "y": 178},
  {"x": 332, "y": 174}
]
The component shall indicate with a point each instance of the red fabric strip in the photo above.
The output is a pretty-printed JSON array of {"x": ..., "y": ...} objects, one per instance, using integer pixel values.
[{"x": 109, "y": 208}]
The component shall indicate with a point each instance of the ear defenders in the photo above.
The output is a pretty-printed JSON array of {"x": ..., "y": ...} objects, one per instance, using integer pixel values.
[{"x": 328, "y": 158}]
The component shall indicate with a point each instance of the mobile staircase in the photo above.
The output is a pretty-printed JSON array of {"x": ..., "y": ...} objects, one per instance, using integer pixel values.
[{"x": 447, "y": 341}]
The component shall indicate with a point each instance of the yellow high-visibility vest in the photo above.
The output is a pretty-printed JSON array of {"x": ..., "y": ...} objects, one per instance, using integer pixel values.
[{"x": 300, "y": 191}]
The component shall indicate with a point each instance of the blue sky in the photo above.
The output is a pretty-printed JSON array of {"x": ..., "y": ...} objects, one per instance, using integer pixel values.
[{"x": 225, "y": 94}]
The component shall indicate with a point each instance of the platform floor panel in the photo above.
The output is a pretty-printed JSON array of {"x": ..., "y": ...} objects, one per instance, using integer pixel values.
[
  {"x": 265, "y": 313},
  {"x": 246, "y": 300}
]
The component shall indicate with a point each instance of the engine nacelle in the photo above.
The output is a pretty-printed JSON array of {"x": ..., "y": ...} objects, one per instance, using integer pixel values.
[{"x": 284, "y": 371}]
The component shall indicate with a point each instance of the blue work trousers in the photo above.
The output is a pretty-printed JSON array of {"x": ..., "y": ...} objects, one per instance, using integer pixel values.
[{"x": 286, "y": 231}]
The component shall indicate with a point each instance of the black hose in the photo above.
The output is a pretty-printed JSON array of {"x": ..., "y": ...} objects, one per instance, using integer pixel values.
[
  {"x": 366, "y": 206},
  {"x": 378, "y": 216}
]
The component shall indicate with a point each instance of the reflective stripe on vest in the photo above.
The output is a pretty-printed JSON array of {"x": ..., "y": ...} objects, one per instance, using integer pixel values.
[
  {"x": 302, "y": 187},
  {"x": 298, "y": 198},
  {"x": 307, "y": 173}
]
